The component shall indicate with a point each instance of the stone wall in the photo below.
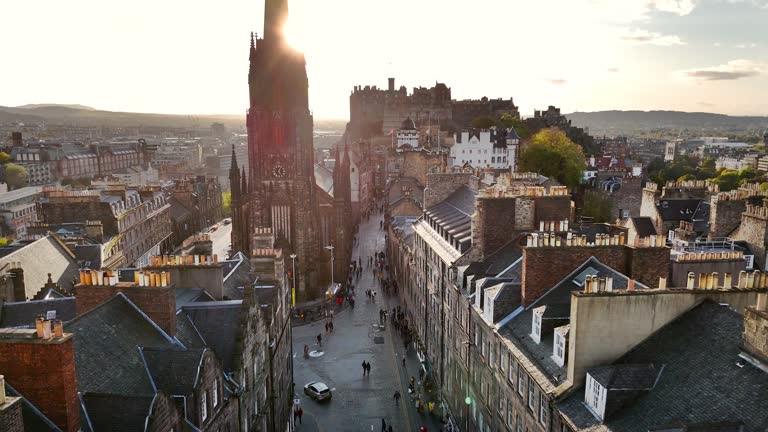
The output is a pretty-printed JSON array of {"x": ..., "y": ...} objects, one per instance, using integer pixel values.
[
  {"x": 680, "y": 270},
  {"x": 11, "y": 419},
  {"x": 628, "y": 198},
  {"x": 755, "y": 335},
  {"x": 441, "y": 185},
  {"x": 553, "y": 208},
  {"x": 650, "y": 195},
  {"x": 605, "y": 326},
  {"x": 493, "y": 223},
  {"x": 165, "y": 416},
  {"x": 525, "y": 213},
  {"x": 725, "y": 215},
  {"x": 79, "y": 210},
  {"x": 754, "y": 231}
]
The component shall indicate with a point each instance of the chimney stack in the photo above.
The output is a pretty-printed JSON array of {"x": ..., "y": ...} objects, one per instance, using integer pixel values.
[{"x": 43, "y": 370}]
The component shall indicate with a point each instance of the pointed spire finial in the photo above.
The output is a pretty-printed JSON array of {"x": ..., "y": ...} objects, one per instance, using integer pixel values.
[{"x": 234, "y": 159}]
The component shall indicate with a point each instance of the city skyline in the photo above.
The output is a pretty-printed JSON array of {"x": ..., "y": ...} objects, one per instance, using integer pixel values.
[{"x": 683, "y": 55}]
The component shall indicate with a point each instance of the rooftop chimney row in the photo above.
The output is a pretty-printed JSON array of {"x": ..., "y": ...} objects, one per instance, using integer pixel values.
[
  {"x": 708, "y": 281},
  {"x": 551, "y": 239},
  {"x": 183, "y": 260},
  {"x": 710, "y": 256},
  {"x": 595, "y": 284}
]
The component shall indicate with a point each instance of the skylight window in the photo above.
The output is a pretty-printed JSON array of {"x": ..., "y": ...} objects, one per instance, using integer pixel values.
[{"x": 579, "y": 279}]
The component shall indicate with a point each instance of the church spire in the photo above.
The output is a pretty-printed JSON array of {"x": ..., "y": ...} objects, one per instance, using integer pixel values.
[
  {"x": 233, "y": 166},
  {"x": 252, "y": 53},
  {"x": 275, "y": 16}
]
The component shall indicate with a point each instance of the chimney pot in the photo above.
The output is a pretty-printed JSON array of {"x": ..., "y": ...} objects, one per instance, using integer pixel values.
[
  {"x": 631, "y": 285},
  {"x": 58, "y": 328},
  {"x": 691, "y": 280},
  {"x": 2, "y": 390},
  {"x": 762, "y": 301},
  {"x": 662, "y": 283}
]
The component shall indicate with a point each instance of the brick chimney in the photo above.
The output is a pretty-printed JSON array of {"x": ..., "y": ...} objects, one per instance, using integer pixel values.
[
  {"x": 41, "y": 366},
  {"x": 10, "y": 411},
  {"x": 192, "y": 271},
  {"x": 17, "y": 277},
  {"x": 150, "y": 291},
  {"x": 755, "y": 339}
]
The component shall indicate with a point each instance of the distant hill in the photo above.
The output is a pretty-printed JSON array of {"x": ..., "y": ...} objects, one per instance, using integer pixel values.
[
  {"x": 634, "y": 122},
  {"x": 75, "y": 106},
  {"x": 66, "y": 114}
]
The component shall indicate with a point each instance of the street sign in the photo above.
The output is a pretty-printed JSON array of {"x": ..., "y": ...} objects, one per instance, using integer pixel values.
[{"x": 296, "y": 401}]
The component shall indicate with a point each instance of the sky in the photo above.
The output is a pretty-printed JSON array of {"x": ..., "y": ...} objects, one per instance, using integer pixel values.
[{"x": 191, "y": 56}]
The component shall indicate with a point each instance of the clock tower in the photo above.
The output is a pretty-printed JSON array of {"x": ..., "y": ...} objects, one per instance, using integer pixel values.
[{"x": 280, "y": 152}]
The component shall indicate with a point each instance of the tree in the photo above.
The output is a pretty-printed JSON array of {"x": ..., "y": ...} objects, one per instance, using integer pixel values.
[
  {"x": 16, "y": 175},
  {"x": 226, "y": 202},
  {"x": 552, "y": 154},
  {"x": 4, "y": 158},
  {"x": 4, "y": 241},
  {"x": 508, "y": 121},
  {"x": 597, "y": 206},
  {"x": 483, "y": 122}
]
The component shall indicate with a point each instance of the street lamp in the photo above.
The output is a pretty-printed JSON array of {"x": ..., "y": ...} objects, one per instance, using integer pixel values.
[
  {"x": 330, "y": 248},
  {"x": 293, "y": 273}
]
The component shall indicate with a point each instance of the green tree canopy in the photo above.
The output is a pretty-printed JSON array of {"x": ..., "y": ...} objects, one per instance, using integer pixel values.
[
  {"x": 483, "y": 122},
  {"x": 226, "y": 202},
  {"x": 552, "y": 154},
  {"x": 4, "y": 158},
  {"x": 508, "y": 121},
  {"x": 16, "y": 176}
]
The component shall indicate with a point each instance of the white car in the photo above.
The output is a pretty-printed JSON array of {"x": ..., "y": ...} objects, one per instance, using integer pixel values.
[{"x": 317, "y": 391}]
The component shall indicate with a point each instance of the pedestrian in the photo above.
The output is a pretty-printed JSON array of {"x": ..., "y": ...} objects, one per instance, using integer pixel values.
[
  {"x": 369, "y": 368},
  {"x": 320, "y": 339},
  {"x": 397, "y": 396},
  {"x": 403, "y": 359},
  {"x": 389, "y": 428},
  {"x": 326, "y": 326},
  {"x": 330, "y": 325},
  {"x": 365, "y": 367},
  {"x": 405, "y": 344},
  {"x": 295, "y": 414},
  {"x": 300, "y": 412},
  {"x": 383, "y": 425}
]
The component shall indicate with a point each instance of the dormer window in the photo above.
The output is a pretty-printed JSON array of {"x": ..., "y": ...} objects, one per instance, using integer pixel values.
[
  {"x": 538, "y": 313},
  {"x": 560, "y": 345},
  {"x": 594, "y": 396}
]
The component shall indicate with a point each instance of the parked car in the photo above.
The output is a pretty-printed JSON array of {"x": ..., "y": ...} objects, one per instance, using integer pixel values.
[
  {"x": 214, "y": 229},
  {"x": 227, "y": 221},
  {"x": 317, "y": 391}
]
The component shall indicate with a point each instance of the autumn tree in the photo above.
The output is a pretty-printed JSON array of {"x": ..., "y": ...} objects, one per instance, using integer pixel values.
[{"x": 552, "y": 154}]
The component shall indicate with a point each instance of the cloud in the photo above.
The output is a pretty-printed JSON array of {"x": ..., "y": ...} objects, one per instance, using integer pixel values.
[
  {"x": 746, "y": 45},
  {"x": 733, "y": 70},
  {"x": 613, "y": 69},
  {"x": 644, "y": 37},
  {"x": 557, "y": 81}
]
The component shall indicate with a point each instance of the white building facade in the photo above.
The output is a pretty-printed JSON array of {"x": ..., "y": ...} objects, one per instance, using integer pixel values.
[{"x": 494, "y": 148}]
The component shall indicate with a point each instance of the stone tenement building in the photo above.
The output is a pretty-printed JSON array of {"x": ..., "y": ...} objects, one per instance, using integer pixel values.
[
  {"x": 136, "y": 222},
  {"x": 194, "y": 344},
  {"x": 374, "y": 111},
  {"x": 278, "y": 191},
  {"x": 516, "y": 342},
  {"x": 195, "y": 204}
]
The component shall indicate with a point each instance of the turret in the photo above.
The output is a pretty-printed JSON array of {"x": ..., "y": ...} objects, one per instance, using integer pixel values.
[{"x": 234, "y": 177}]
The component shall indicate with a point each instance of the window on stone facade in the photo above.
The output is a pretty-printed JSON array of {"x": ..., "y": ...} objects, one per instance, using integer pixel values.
[
  {"x": 520, "y": 380},
  {"x": 536, "y": 326},
  {"x": 491, "y": 352},
  {"x": 510, "y": 413},
  {"x": 502, "y": 405},
  {"x": 519, "y": 423},
  {"x": 531, "y": 395},
  {"x": 204, "y": 406},
  {"x": 215, "y": 393},
  {"x": 511, "y": 372},
  {"x": 502, "y": 358},
  {"x": 543, "y": 412}
]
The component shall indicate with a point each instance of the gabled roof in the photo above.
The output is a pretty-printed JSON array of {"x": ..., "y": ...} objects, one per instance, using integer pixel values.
[
  {"x": 23, "y": 314},
  {"x": 678, "y": 209},
  {"x": 643, "y": 226},
  {"x": 557, "y": 301},
  {"x": 106, "y": 348},
  {"x": 117, "y": 413},
  {"x": 43, "y": 256},
  {"x": 218, "y": 323},
  {"x": 701, "y": 383},
  {"x": 175, "y": 372},
  {"x": 454, "y": 214},
  {"x": 237, "y": 274}
]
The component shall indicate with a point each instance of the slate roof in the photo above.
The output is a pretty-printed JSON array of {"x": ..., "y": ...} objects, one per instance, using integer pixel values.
[
  {"x": 678, "y": 209},
  {"x": 190, "y": 295},
  {"x": 34, "y": 419},
  {"x": 218, "y": 323},
  {"x": 324, "y": 179},
  {"x": 117, "y": 413},
  {"x": 237, "y": 274},
  {"x": 558, "y": 301},
  {"x": 643, "y": 226},
  {"x": 23, "y": 314},
  {"x": 173, "y": 371},
  {"x": 454, "y": 214},
  {"x": 498, "y": 261},
  {"x": 700, "y": 384},
  {"x": 43, "y": 256},
  {"x": 106, "y": 348},
  {"x": 179, "y": 211}
]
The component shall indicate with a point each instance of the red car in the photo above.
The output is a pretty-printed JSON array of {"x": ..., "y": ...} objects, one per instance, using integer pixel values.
[{"x": 214, "y": 229}]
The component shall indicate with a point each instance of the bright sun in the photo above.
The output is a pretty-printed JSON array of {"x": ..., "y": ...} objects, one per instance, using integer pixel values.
[{"x": 294, "y": 35}]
